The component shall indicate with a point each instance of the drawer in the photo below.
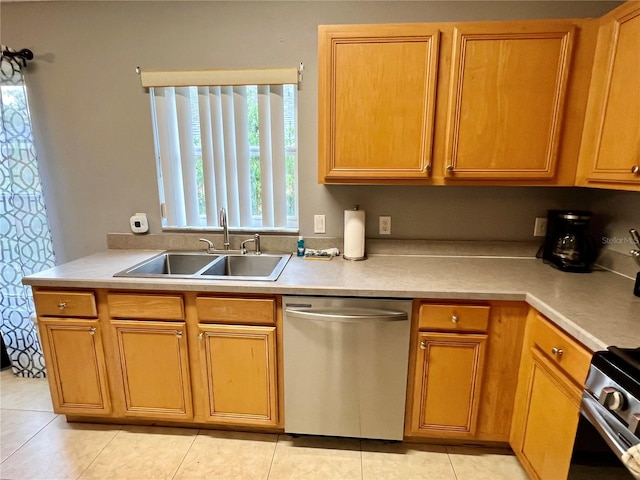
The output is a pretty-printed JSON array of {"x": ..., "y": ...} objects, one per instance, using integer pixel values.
[
  {"x": 236, "y": 310},
  {"x": 65, "y": 304},
  {"x": 146, "y": 307},
  {"x": 564, "y": 352},
  {"x": 474, "y": 318}
]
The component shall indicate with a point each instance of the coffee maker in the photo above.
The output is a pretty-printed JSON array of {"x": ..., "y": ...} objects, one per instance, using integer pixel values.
[{"x": 568, "y": 245}]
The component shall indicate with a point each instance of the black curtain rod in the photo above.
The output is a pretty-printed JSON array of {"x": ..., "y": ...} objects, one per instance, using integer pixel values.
[{"x": 24, "y": 55}]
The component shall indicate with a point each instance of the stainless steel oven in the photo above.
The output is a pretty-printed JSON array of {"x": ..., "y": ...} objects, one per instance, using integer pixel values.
[{"x": 610, "y": 417}]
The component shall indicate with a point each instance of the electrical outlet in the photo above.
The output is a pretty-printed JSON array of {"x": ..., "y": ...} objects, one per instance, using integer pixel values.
[
  {"x": 384, "y": 224},
  {"x": 319, "y": 224},
  {"x": 540, "y": 227}
]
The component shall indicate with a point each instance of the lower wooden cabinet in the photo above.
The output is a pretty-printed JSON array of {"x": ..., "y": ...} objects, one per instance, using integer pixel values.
[
  {"x": 547, "y": 408},
  {"x": 460, "y": 386},
  {"x": 75, "y": 365},
  {"x": 550, "y": 424},
  {"x": 154, "y": 363},
  {"x": 238, "y": 363},
  {"x": 449, "y": 369}
]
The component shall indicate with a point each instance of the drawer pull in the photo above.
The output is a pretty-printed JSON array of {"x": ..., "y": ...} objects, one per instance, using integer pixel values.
[
  {"x": 557, "y": 352},
  {"x": 92, "y": 331},
  {"x": 62, "y": 305},
  {"x": 423, "y": 345},
  {"x": 455, "y": 319}
]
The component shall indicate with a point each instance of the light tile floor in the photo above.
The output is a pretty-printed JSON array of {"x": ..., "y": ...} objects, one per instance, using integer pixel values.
[{"x": 35, "y": 443}]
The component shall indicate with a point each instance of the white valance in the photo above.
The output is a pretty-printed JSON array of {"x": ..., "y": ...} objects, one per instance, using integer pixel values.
[{"x": 209, "y": 78}]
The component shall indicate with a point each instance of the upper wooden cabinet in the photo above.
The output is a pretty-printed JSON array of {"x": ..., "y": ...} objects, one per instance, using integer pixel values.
[
  {"x": 610, "y": 151},
  {"x": 506, "y": 99},
  {"x": 453, "y": 103},
  {"x": 376, "y": 101}
]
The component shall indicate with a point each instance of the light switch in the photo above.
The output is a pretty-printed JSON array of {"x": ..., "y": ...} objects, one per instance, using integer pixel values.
[{"x": 319, "y": 224}]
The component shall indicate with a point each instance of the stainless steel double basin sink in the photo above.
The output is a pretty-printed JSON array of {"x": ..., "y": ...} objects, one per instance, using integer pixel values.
[{"x": 204, "y": 266}]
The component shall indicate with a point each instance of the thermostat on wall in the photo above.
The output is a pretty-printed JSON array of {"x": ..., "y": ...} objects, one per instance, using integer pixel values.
[{"x": 139, "y": 223}]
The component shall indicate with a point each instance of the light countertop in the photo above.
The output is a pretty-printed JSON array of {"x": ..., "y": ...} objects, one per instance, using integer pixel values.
[{"x": 598, "y": 308}]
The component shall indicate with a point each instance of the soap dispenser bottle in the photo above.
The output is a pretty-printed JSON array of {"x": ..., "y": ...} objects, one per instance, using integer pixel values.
[{"x": 300, "y": 251}]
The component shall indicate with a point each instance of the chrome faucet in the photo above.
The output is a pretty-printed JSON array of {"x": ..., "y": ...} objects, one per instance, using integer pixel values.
[
  {"x": 225, "y": 236},
  {"x": 256, "y": 240},
  {"x": 225, "y": 229}
]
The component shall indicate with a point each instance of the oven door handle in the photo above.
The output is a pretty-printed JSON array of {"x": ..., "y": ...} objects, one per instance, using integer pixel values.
[{"x": 590, "y": 408}]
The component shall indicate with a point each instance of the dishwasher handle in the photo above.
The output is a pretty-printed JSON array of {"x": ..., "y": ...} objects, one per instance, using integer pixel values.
[{"x": 347, "y": 315}]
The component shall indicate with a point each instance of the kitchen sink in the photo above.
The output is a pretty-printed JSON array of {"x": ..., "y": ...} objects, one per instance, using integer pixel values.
[
  {"x": 203, "y": 266},
  {"x": 263, "y": 267},
  {"x": 170, "y": 264}
]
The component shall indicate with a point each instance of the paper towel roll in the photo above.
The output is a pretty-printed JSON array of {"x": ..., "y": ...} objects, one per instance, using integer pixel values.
[{"x": 353, "y": 235}]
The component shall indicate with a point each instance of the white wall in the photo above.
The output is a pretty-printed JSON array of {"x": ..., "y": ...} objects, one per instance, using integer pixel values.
[{"x": 92, "y": 122}]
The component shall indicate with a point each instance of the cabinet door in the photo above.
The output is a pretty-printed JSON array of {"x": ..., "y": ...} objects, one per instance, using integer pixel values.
[
  {"x": 610, "y": 150},
  {"x": 552, "y": 411},
  {"x": 75, "y": 363},
  {"x": 239, "y": 363},
  {"x": 448, "y": 378},
  {"x": 155, "y": 368},
  {"x": 376, "y": 101},
  {"x": 506, "y": 99}
]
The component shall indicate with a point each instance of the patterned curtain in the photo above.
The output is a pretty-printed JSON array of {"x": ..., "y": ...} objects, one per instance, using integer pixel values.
[{"x": 25, "y": 240}]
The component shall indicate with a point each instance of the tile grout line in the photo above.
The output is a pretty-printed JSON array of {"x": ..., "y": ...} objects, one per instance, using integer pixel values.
[
  {"x": 26, "y": 410},
  {"x": 186, "y": 453},
  {"x": 99, "y": 453},
  {"x": 361, "y": 462},
  {"x": 273, "y": 456},
  {"x": 453, "y": 468},
  {"x": 30, "y": 438}
]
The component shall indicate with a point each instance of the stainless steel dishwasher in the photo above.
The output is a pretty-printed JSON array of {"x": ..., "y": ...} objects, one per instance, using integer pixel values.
[{"x": 345, "y": 366}]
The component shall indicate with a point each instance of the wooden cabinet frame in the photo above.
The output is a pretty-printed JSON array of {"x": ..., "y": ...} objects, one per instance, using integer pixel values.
[
  {"x": 239, "y": 369},
  {"x": 475, "y": 103},
  {"x": 76, "y": 365},
  {"x": 611, "y": 141},
  {"x": 490, "y": 400},
  {"x": 438, "y": 404},
  {"x": 154, "y": 363},
  {"x": 354, "y": 141},
  {"x": 541, "y": 438}
]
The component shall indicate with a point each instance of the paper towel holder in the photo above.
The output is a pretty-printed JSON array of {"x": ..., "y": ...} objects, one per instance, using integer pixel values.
[{"x": 358, "y": 257}]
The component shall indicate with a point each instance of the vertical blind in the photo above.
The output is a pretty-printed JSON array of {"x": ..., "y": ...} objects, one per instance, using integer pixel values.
[{"x": 205, "y": 156}]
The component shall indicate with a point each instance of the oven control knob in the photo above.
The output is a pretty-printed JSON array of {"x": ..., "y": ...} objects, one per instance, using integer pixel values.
[
  {"x": 612, "y": 399},
  {"x": 634, "y": 424}
]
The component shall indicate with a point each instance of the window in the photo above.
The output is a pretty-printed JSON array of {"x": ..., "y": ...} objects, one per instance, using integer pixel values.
[{"x": 226, "y": 138}]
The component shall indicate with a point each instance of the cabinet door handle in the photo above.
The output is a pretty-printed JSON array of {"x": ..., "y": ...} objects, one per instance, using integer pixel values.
[
  {"x": 427, "y": 168},
  {"x": 92, "y": 331},
  {"x": 455, "y": 319},
  {"x": 62, "y": 305},
  {"x": 200, "y": 335},
  {"x": 450, "y": 168},
  {"x": 423, "y": 345},
  {"x": 635, "y": 169},
  {"x": 179, "y": 333},
  {"x": 557, "y": 352}
]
